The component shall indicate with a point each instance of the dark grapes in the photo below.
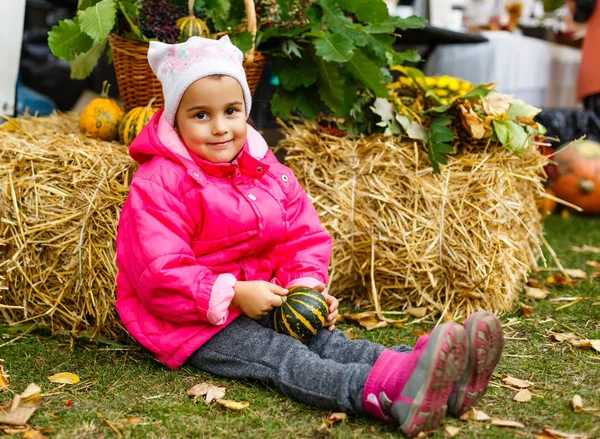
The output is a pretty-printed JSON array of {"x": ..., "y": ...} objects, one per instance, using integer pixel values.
[{"x": 159, "y": 20}]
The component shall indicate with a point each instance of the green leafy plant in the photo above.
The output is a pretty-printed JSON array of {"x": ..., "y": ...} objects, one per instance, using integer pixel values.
[
  {"x": 343, "y": 48},
  {"x": 82, "y": 39}
]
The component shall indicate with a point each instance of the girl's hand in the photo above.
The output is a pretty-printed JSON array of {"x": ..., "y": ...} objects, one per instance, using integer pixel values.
[
  {"x": 257, "y": 298},
  {"x": 332, "y": 303}
]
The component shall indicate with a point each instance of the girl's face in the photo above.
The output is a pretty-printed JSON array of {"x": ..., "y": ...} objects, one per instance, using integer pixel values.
[{"x": 211, "y": 118}]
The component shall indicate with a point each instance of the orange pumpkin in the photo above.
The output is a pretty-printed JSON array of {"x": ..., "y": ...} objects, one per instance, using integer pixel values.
[
  {"x": 101, "y": 117},
  {"x": 578, "y": 179}
]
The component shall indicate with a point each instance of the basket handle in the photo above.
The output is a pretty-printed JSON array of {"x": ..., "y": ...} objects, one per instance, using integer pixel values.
[{"x": 251, "y": 16}]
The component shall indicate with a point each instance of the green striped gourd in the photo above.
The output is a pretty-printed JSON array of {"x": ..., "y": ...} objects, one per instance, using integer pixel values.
[
  {"x": 134, "y": 121},
  {"x": 191, "y": 25},
  {"x": 303, "y": 313}
]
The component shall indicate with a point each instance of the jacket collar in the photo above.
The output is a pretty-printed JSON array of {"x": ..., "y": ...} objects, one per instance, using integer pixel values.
[{"x": 243, "y": 164}]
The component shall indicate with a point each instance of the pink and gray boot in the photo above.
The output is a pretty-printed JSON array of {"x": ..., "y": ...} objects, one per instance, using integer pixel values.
[
  {"x": 486, "y": 341},
  {"x": 413, "y": 388}
]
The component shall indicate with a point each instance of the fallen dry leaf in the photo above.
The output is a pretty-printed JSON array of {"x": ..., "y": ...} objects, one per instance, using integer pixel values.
[
  {"x": 527, "y": 310},
  {"x": 535, "y": 293},
  {"x": 586, "y": 344},
  {"x": 368, "y": 320},
  {"x": 214, "y": 393},
  {"x": 559, "y": 279},
  {"x": 577, "y": 403},
  {"x": 350, "y": 333},
  {"x": 576, "y": 273},
  {"x": 233, "y": 405},
  {"x": 502, "y": 423},
  {"x": 555, "y": 434},
  {"x": 596, "y": 265},
  {"x": 516, "y": 382},
  {"x": 575, "y": 342},
  {"x": 523, "y": 395},
  {"x": 450, "y": 431},
  {"x": 333, "y": 418},
  {"x": 3, "y": 379},
  {"x": 211, "y": 392},
  {"x": 34, "y": 434},
  {"x": 14, "y": 430},
  {"x": 27, "y": 432},
  {"x": 336, "y": 417},
  {"x": 417, "y": 312},
  {"x": 22, "y": 406},
  {"x": 586, "y": 249},
  {"x": 64, "y": 378},
  {"x": 535, "y": 283},
  {"x": 564, "y": 336},
  {"x": 474, "y": 415}
]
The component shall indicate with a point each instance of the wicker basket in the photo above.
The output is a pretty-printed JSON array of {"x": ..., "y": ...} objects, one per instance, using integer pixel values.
[
  {"x": 135, "y": 79},
  {"x": 137, "y": 82}
]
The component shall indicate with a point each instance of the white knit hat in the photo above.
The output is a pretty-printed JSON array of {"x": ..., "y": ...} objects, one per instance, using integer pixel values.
[{"x": 177, "y": 66}]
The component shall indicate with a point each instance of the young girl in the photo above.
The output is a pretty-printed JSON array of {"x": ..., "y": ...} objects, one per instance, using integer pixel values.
[{"x": 215, "y": 231}]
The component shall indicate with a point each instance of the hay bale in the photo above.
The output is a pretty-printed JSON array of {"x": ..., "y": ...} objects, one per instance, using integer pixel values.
[
  {"x": 404, "y": 236},
  {"x": 61, "y": 195},
  {"x": 458, "y": 241}
]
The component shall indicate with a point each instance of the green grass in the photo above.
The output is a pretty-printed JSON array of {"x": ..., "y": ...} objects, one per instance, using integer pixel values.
[{"x": 116, "y": 384}]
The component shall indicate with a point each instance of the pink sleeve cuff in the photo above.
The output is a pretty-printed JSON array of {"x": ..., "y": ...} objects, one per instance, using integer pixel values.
[
  {"x": 309, "y": 282},
  {"x": 220, "y": 299}
]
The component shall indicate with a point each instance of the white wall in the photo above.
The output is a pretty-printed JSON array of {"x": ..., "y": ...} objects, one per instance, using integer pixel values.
[{"x": 12, "y": 18}]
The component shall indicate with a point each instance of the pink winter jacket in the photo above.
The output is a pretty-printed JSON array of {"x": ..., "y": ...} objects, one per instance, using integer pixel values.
[{"x": 190, "y": 229}]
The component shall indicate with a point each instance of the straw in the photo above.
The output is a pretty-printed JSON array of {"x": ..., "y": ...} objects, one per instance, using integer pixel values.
[
  {"x": 61, "y": 197},
  {"x": 455, "y": 242},
  {"x": 404, "y": 236}
]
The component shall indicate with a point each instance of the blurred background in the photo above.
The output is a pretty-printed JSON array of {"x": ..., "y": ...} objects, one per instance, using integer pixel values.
[{"x": 532, "y": 49}]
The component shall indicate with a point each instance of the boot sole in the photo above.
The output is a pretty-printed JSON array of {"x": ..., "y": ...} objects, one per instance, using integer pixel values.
[
  {"x": 430, "y": 385},
  {"x": 486, "y": 342}
]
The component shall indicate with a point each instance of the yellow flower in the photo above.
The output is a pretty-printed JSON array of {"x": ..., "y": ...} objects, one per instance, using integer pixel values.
[
  {"x": 454, "y": 84},
  {"x": 443, "y": 82}
]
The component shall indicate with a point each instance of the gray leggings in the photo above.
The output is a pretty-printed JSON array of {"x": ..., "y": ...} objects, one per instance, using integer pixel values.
[{"x": 328, "y": 372}]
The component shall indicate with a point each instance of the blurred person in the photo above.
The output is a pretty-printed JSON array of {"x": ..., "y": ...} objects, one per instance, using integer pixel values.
[
  {"x": 11, "y": 32},
  {"x": 588, "y": 12}
]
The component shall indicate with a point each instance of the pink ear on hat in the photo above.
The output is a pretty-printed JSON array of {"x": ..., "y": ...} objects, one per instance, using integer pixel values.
[
  {"x": 177, "y": 66},
  {"x": 228, "y": 46}
]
